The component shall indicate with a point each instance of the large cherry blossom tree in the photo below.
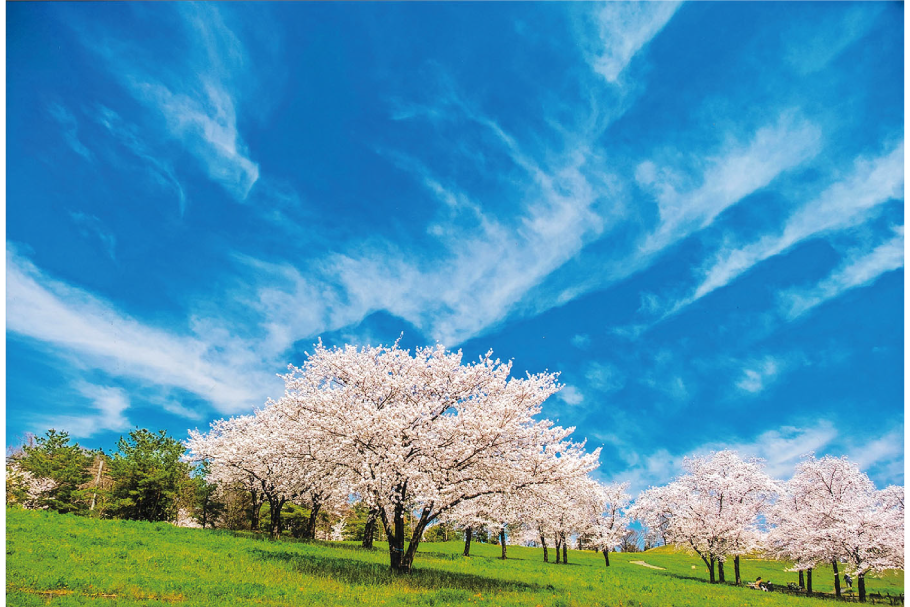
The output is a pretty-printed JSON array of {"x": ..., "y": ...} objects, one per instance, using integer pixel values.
[{"x": 425, "y": 432}]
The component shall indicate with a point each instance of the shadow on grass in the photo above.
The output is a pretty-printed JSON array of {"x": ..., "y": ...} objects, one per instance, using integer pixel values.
[{"x": 360, "y": 572}]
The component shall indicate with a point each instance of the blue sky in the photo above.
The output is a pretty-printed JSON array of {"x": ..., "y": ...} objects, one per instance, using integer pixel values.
[{"x": 693, "y": 212}]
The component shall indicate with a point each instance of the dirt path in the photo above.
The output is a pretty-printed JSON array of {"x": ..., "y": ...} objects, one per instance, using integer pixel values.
[{"x": 648, "y": 565}]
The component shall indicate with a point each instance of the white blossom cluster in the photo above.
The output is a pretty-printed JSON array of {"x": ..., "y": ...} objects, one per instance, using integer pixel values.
[
  {"x": 32, "y": 489},
  {"x": 831, "y": 512}
]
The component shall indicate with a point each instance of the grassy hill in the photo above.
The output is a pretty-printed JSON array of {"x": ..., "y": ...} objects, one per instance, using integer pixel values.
[{"x": 64, "y": 560}]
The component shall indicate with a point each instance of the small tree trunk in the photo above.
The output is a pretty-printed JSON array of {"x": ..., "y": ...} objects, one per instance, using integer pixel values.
[
  {"x": 254, "y": 513},
  {"x": 836, "y": 578},
  {"x": 809, "y": 581},
  {"x": 204, "y": 501},
  {"x": 710, "y": 566},
  {"x": 369, "y": 529},
  {"x": 739, "y": 580},
  {"x": 720, "y": 572},
  {"x": 310, "y": 531},
  {"x": 468, "y": 534},
  {"x": 861, "y": 586},
  {"x": 558, "y": 555},
  {"x": 502, "y": 542},
  {"x": 802, "y": 579},
  {"x": 606, "y": 557},
  {"x": 565, "y": 552},
  {"x": 275, "y": 506},
  {"x": 543, "y": 542}
]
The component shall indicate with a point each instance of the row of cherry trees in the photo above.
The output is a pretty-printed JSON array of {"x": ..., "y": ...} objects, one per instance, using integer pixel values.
[
  {"x": 724, "y": 507},
  {"x": 423, "y": 434},
  {"x": 431, "y": 439}
]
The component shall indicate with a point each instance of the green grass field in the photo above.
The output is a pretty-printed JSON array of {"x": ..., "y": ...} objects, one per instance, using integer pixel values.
[{"x": 65, "y": 560}]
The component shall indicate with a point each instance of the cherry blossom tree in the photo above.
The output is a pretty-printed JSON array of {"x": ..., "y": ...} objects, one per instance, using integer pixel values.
[
  {"x": 712, "y": 510},
  {"x": 742, "y": 492},
  {"x": 254, "y": 450},
  {"x": 560, "y": 510},
  {"x": 544, "y": 512},
  {"x": 608, "y": 524},
  {"x": 27, "y": 489},
  {"x": 831, "y": 511},
  {"x": 469, "y": 516},
  {"x": 424, "y": 432}
]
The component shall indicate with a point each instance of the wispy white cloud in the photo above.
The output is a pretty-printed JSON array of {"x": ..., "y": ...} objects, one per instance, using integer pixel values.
[
  {"x": 205, "y": 120},
  {"x": 878, "y": 450},
  {"x": 858, "y": 270},
  {"x": 198, "y": 100},
  {"x": 842, "y": 205},
  {"x": 604, "y": 377},
  {"x": 486, "y": 265},
  {"x": 106, "y": 413},
  {"x": 657, "y": 468},
  {"x": 91, "y": 226},
  {"x": 623, "y": 29},
  {"x": 161, "y": 170},
  {"x": 582, "y": 340},
  {"x": 570, "y": 395},
  {"x": 70, "y": 130},
  {"x": 783, "y": 448},
  {"x": 758, "y": 374},
  {"x": 92, "y": 333},
  {"x": 175, "y": 408},
  {"x": 810, "y": 49},
  {"x": 756, "y": 378},
  {"x": 728, "y": 177}
]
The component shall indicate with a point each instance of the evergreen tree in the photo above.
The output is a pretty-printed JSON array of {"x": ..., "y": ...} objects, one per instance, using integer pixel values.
[
  {"x": 64, "y": 468},
  {"x": 148, "y": 476}
]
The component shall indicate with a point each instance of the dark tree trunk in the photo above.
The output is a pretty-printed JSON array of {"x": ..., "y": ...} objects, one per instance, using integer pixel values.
[
  {"x": 802, "y": 579},
  {"x": 502, "y": 542},
  {"x": 400, "y": 560},
  {"x": 565, "y": 550},
  {"x": 861, "y": 587},
  {"x": 543, "y": 542},
  {"x": 310, "y": 531},
  {"x": 275, "y": 506},
  {"x": 468, "y": 534},
  {"x": 369, "y": 530},
  {"x": 710, "y": 565},
  {"x": 720, "y": 572},
  {"x": 254, "y": 513},
  {"x": 837, "y": 592},
  {"x": 809, "y": 581},
  {"x": 606, "y": 557},
  {"x": 558, "y": 555},
  {"x": 416, "y": 536},
  {"x": 739, "y": 579},
  {"x": 205, "y": 510},
  {"x": 396, "y": 539}
]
